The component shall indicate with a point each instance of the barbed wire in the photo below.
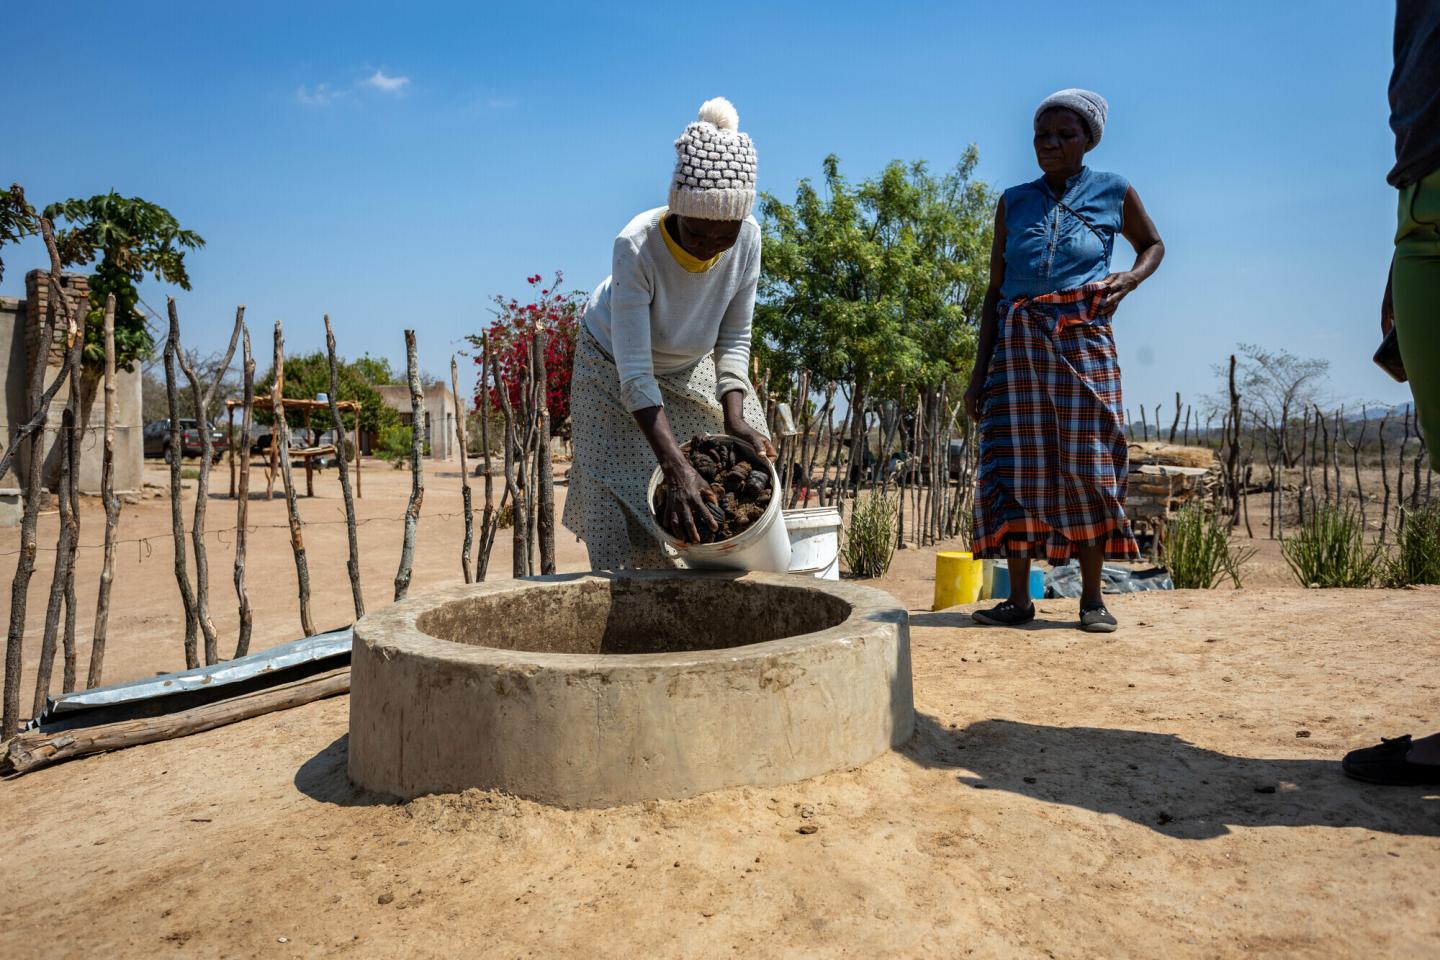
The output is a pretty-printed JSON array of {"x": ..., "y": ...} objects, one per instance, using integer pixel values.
[{"x": 146, "y": 549}]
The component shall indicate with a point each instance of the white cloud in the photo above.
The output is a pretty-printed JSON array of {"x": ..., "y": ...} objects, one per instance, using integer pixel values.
[
  {"x": 320, "y": 95},
  {"x": 380, "y": 80}
]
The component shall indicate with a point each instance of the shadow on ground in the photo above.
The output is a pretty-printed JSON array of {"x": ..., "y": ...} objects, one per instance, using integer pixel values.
[
  {"x": 958, "y": 619},
  {"x": 1162, "y": 782},
  {"x": 323, "y": 778}
]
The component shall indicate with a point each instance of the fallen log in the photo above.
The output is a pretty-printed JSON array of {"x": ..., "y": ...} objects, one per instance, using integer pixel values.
[{"x": 37, "y": 748}]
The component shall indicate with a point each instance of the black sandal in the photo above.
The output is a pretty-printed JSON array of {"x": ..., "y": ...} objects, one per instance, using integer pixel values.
[
  {"x": 1005, "y": 615},
  {"x": 1387, "y": 764}
]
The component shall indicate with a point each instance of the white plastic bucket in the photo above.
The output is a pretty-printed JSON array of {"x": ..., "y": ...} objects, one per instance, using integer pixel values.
[
  {"x": 764, "y": 545},
  {"x": 814, "y": 542}
]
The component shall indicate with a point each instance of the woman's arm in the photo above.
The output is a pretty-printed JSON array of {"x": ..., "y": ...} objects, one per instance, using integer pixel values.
[
  {"x": 732, "y": 358},
  {"x": 1139, "y": 229},
  {"x": 630, "y": 297},
  {"x": 989, "y": 322}
]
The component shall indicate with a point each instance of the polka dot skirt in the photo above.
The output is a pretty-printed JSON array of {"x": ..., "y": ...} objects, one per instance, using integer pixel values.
[{"x": 605, "y": 505}]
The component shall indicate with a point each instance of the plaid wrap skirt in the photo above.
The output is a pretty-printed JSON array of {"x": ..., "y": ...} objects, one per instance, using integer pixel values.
[{"x": 1054, "y": 463}]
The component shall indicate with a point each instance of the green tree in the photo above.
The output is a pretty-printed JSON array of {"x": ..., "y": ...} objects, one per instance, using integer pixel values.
[
  {"x": 17, "y": 219},
  {"x": 308, "y": 375},
  {"x": 131, "y": 237},
  {"x": 876, "y": 287},
  {"x": 879, "y": 285}
]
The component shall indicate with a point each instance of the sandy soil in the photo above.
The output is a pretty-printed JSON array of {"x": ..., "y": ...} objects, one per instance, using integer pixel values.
[{"x": 1170, "y": 790}]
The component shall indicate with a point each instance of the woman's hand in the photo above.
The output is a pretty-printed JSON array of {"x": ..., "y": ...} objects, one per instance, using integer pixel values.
[
  {"x": 972, "y": 400},
  {"x": 1117, "y": 287},
  {"x": 756, "y": 439},
  {"x": 733, "y": 403},
  {"x": 686, "y": 499}
]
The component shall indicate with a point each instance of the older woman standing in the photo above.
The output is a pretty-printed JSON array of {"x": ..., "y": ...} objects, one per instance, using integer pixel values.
[
  {"x": 665, "y": 350},
  {"x": 1046, "y": 385}
]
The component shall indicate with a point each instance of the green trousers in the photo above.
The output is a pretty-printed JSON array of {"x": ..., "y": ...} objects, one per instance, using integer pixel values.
[{"x": 1415, "y": 285}]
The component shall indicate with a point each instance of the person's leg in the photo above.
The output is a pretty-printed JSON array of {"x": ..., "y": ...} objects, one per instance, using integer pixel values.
[
  {"x": 1019, "y": 581},
  {"x": 1017, "y": 609},
  {"x": 1415, "y": 286},
  {"x": 1091, "y": 560}
]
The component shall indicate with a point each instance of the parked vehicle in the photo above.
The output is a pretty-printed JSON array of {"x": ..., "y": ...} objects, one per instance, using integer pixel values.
[{"x": 157, "y": 440}]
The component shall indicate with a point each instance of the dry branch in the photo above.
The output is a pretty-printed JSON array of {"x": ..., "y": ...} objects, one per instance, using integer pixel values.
[
  {"x": 544, "y": 478},
  {"x": 39, "y": 399},
  {"x": 202, "y": 486},
  {"x": 31, "y": 751},
  {"x": 62, "y": 581},
  {"x": 488, "y": 520},
  {"x": 352, "y": 563},
  {"x": 417, "y": 475},
  {"x": 177, "y": 520},
  {"x": 112, "y": 508},
  {"x": 242, "y": 501},
  {"x": 280, "y": 437},
  {"x": 465, "y": 497}
]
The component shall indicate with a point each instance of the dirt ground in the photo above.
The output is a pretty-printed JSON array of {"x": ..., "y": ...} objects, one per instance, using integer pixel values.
[{"x": 1169, "y": 790}]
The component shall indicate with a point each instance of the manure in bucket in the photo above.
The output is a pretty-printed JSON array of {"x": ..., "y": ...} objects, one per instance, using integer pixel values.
[{"x": 739, "y": 478}]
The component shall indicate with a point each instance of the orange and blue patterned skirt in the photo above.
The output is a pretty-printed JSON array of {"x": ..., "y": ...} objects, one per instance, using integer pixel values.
[{"x": 1054, "y": 463}]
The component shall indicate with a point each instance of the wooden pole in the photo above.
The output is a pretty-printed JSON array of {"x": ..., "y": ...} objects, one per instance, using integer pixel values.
[
  {"x": 417, "y": 475},
  {"x": 202, "y": 486},
  {"x": 177, "y": 519},
  {"x": 112, "y": 508},
  {"x": 488, "y": 519},
  {"x": 36, "y": 749},
  {"x": 309, "y": 461},
  {"x": 352, "y": 563},
  {"x": 230, "y": 433},
  {"x": 62, "y": 583},
  {"x": 281, "y": 439},
  {"x": 39, "y": 410},
  {"x": 359, "y": 492},
  {"x": 465, "y": 500},
  {"x": 242, "y": 502},
  {"x": 512, "y": 489},
  {"x": 1175, "y": 424},
  {"x": 544, "y": 476}
]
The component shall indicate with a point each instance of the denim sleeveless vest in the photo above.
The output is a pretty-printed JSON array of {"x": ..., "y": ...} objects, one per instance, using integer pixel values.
[{"x": 1055, "y": 245}]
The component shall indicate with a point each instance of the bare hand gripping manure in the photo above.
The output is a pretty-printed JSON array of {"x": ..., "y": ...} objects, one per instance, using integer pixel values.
[{"x": 739, "y": 478}]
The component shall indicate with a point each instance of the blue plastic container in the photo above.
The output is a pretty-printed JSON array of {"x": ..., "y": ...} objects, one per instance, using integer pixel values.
[{"x": 1001, "y": 588}]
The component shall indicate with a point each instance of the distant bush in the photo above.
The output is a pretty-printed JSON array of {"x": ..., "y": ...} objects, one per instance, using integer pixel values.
[
  {"x": 1416, "y": 558},
  {"x": 1198, "y": 549},
  {"x": 1329, "y": 550},
  {"x": 870, "y": 539},
  {"x": 393, "y": 445}
]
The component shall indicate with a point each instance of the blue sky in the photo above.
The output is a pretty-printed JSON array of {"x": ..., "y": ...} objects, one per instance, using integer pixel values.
[{"x": 396, "y": 165}]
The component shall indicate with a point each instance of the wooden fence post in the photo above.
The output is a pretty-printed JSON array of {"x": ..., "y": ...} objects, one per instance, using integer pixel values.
[
  {"x": 242, "y": 496},
  {"x": 202, "y": 487},
  {"x": 352, "y": 562},
  {"x": 177, "y": 519},
  {"x": 465, "y": 498},
  {"x": 281, "y": 440},
  {"x": 112, "y": 508},
  {"x": 417, "y": 475}
]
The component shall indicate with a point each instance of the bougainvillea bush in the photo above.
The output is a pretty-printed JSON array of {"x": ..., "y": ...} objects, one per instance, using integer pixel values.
[{"x": 553, "y": 310}]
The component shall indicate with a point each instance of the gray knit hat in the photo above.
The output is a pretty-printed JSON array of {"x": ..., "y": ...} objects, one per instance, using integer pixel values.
[
  {"x": 714, "y": 166},
  {"x": 1091, "y": 107}
]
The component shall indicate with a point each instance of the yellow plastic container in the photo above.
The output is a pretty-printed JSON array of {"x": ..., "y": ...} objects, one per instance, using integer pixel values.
[
  {"x": 987, "y": 580},
  {"x": 957, "y": 579}
]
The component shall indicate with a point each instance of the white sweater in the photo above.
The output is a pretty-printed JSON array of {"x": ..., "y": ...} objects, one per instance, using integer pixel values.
[{"x": 655, "y": 317}]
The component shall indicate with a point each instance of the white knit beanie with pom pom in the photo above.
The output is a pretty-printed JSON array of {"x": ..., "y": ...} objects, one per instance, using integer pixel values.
[{"x": 714, "y": 166}]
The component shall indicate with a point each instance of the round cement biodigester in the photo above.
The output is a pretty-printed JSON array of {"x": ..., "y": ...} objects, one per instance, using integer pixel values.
[{"x": 593, "y": 690}]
